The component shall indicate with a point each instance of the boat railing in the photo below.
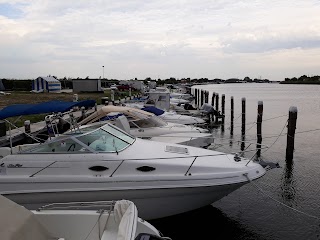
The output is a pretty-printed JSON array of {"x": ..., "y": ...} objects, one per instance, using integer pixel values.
[{"x": 106, "y": 205}]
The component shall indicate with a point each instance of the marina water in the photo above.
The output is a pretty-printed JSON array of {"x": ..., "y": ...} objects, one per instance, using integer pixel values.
[{"x": 257, "y": 211}]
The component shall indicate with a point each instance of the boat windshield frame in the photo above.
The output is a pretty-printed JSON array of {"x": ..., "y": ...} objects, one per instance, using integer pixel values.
[
  {"x": 150, "y": 122},
  {"x": 74, "y": 140}
]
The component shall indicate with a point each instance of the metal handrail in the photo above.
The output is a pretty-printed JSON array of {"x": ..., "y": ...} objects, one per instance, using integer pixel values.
[{"x": 78, "y": 205}]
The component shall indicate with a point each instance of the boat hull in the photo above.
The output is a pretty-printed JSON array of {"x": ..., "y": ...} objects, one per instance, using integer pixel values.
[{"x": 151, "y": 203}]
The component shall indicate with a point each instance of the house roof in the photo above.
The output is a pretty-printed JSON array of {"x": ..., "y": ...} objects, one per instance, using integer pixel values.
[{"x": 50, "y": 79}]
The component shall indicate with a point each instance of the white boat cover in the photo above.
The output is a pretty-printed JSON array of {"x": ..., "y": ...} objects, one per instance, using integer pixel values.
[
  {"x": 18, "y": 223},
  {"x": 105, "y": 110},
  {"x": 126, "y": 213}
]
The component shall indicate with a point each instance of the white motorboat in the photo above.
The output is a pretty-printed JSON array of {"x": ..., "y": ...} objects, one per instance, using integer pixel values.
[
  {"x": 114, "y": 220},
  {"x": 168, "y": 116},
  {"x": 144, "y": 124},
  {"x": 174, "y": 117},
  {"x": 106, "y": 163}
]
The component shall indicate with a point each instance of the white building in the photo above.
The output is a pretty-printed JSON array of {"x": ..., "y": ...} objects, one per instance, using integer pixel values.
[{"x": 46, "y": 84}]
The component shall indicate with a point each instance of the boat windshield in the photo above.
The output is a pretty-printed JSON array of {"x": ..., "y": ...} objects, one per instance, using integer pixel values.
[
  {"x": 150, "y": 122},
  {"x": 103, "y": 139}
]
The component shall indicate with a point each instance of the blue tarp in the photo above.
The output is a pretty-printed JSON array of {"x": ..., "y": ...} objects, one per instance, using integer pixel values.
[
  {"x": 110, "y": 117},
  {"x": 154, "y": 110},
  {"x": 40, "y": 108}
]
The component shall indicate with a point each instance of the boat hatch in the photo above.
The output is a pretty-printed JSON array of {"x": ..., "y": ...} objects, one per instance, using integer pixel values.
[
  {"x": 104, "y": 139},
  {"x": 175, "y": 149}
]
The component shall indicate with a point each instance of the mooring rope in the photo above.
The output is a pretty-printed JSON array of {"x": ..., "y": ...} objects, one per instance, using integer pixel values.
[
  {"x": 264, "y": 120},
  {"x": 277, "y": 137},
  {"x": 281, "y": 203}
]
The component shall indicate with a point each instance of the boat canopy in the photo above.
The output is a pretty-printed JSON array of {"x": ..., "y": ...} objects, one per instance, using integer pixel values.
[
  {"x": 40, "y": 108},
  {"x": 133, "y": 113}
]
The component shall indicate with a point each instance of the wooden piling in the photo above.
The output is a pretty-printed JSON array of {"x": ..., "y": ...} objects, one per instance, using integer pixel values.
[
  {"x": 83, "y": 112},
  {"x": 292, "y": 121},
  {"x": 217, "y": 102},
  {"x": 206, "y": 97},
  {"x": 223, "y": 100},
  {"x": 259, "y": 127},
  {"x": 196, "y": 97},
  {"x": 243, "y": 122},
  {"x": 27, "y": 128},
  {"x": 202, "y": 98},
  {"x": 212, "y": 99},
  {"x": 232, "y": 116}
]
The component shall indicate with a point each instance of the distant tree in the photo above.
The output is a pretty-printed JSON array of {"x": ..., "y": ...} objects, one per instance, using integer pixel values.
[
  {"x": 303, "y": 78},
  {"x": 247, "y": 79}
]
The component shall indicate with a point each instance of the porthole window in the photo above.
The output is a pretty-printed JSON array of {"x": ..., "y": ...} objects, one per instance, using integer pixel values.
[
  {"x": 98, "y": 168},
  {"x": 146, "y": 169}
]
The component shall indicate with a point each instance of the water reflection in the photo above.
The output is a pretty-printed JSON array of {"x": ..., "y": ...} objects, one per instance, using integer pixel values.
[
  {"x": 204, "y": 223},
  {"x": 222, "y": 130},
  {"x": 288, "y": 185},
  {"x": 243, "y": 139}
]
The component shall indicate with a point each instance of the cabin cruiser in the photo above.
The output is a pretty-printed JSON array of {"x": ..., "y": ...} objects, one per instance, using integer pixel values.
[
  {"x": 106, "y": 163},
  {"x": 146, "y": 125},
  {"x": 115, "y": 220},
  {"x": 168, "y": 116},
  {"x": 142, "y": 123}
]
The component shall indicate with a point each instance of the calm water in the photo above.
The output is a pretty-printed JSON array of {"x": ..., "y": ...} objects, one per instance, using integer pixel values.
[{"x": 247, "y": 213}]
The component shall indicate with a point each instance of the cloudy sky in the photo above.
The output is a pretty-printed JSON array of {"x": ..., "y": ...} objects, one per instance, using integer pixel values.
[{"x": 159, "y": 39}]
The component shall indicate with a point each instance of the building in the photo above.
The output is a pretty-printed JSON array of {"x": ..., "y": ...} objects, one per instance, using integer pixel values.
[
  {"x": 46, "y": 84},
  {"x": 136, "y": 84},
  {"x": 86, "y": 85}
]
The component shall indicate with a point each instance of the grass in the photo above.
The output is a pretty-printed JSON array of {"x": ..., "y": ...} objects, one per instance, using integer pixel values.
[{"x": 27, "y": 97}]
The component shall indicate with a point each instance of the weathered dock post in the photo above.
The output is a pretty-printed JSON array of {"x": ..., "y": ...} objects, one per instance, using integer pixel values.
[
  {"x": 217, "y": 102},
  {"x": 199, "y": 99},
  {"x": 292, "y": 121},
  {"x": 243, "y": 119},
  {"x": 206, "y": 97},
  {"x": 27, "y": 128},
  {"x": 202, "y": 98},
  {"x": 231, "y": 116},
  {"x": 83, "y": 112},
  {"x": 243, "y": 123},
  {"x": 259, "y": 127},
  {"x": 223, "y": 101},
  {"x": 196, "y": 97},
  {"x": 212, "y": 99},
  {"x": 217, "y": 107}
]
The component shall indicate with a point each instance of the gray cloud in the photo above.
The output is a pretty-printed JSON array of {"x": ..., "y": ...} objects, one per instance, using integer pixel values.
[{"x": 159, "y": 38}]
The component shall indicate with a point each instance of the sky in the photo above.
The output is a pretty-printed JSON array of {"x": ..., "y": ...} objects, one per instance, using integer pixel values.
[{"x": 128, "y": 39}]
